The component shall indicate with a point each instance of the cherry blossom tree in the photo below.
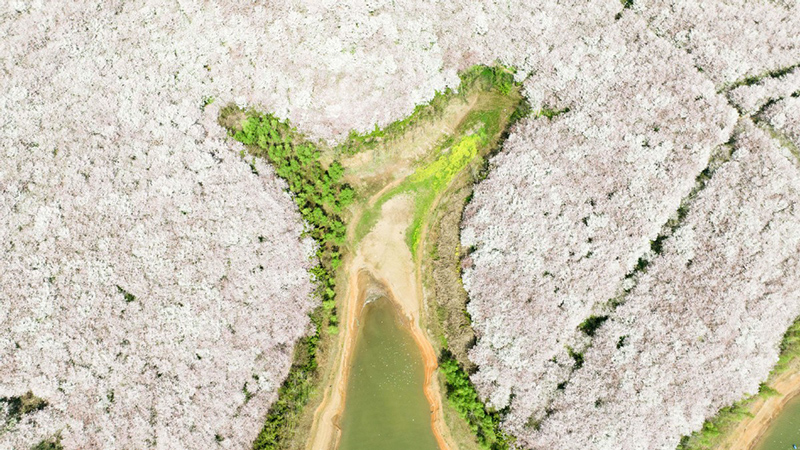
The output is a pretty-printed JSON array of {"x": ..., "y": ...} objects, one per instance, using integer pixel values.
[
  {"x": 729, "y": 40},
  {"x": 702, "y": 326},
  {"x": 154, "y": 283},
  {"x": 572, "y": 203},
  {"x": 784, "y": 116}
]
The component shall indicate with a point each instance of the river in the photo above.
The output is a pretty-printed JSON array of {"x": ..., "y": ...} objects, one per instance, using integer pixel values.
[
  {"x": 784, "y": 431},
  {"x": 385, "y": 404}
]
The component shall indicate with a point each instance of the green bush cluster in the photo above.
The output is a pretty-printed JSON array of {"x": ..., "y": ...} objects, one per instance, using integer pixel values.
[
  {"x": 320, "y": 193},
  {"x": 461, "y": 394},
  {"x": 590, "y": 325},
  {"x": 790, "y": 348},
  {"x": 321, "y": 197}
]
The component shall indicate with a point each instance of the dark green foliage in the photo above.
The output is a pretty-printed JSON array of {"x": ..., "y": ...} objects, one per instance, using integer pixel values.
[
  {"x": 550, "y": 112},
  {"x": 657, "y": 245},
  {"x": 49, "y": 444},
  {"x": 590, "y": 325},
  {"x": 755, "y": 79},
  {"x": 577, "y": 357},
  {"x": 641, "y": 264},
  {"x": 127, "y": 295},
  {"x": 461, "y": 394},
  {"x": 321, "y": 197},
  {"x": 627, "y": 4},
  {"x": 24, "y": 404},
  {"x": 522, "y": 111}
]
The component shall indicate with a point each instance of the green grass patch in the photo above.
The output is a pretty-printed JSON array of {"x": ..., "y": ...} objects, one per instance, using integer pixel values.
[
  {"x": 461, "y": 394},
  {"x": 53, "y": 443},
  {"x": 717, "y": 428},
  {"x": 424, "y": 185}
]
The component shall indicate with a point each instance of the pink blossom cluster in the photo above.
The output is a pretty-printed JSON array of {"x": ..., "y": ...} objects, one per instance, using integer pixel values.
[
  {"x": 784, "y": 116},
  {"x": 153, "y": 284},
  {"x": 729, "y": 40},
  {"x": 572, "y": 203},
  {"x": 701, "y": 328}
]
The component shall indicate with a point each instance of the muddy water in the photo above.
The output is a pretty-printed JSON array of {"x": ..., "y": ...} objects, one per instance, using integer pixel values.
[
  {"x": 385, "y": 405},
  {"x": 784, "y": 432}
]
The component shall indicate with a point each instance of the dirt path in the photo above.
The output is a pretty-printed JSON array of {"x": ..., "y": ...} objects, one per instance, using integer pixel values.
[
  {"x": 384, "y": 256},
  {"x": 752, "y": 429}
]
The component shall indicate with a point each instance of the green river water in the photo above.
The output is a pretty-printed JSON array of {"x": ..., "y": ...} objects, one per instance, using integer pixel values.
[
  {"x": 385, "y": 405},
  {"x": 785, "y": 430}
]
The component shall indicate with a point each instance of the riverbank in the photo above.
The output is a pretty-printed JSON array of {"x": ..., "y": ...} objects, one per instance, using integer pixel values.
[
  {"x": 742, "y": 425},
  {"x": 369, "y": 203},
  {"x": 383, "y": 263},
  {"x": 751, "y": 430}
]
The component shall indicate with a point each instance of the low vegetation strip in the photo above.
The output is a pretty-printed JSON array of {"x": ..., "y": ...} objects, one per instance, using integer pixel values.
[
  {"x": 478, "y": 77},
  {"x": 477, "y": 133},
  {"x": 321, "y": 198},
  {"x": 426, "y": 183}
]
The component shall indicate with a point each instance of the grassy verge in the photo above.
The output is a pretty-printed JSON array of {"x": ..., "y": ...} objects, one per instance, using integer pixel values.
[
  {"x": 53, "y": 443},
  {"x": 476, "y": 425},
  {"x": 478, "y": 133},
  {"x": 716, "y": 429}
]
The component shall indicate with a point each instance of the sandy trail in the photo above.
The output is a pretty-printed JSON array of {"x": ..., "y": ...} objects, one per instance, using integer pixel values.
[
  {"x": 750, "y": 430},
  {"x": 383, "y": 260},
  {"x": 383, "y": 256}
]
